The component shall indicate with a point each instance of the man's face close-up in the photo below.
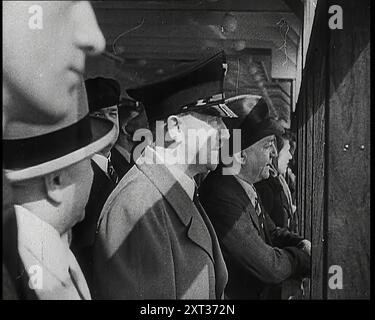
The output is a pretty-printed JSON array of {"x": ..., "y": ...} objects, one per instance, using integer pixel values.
[
  {"x": 205, "y": 135},
  {"x": 259, "y": 157},
  {"x": 45, "y": 45}
]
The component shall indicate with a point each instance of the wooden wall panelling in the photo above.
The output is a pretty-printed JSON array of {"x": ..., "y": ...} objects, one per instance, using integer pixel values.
[
  {"x": 319, "y": 174},
  {"x": 349, "y": 164}
]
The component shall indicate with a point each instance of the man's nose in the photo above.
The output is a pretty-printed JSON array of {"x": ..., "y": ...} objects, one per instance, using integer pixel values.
[{"x": 88, "y": 35}]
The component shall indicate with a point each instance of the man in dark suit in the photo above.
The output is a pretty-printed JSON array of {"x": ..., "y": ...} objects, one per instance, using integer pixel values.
[
  {"x": 155, "y": 241},
  {"x": 258, "y": 255},
  {"x": 103, "y": 96},
  {"x": 132, "y": 116}
]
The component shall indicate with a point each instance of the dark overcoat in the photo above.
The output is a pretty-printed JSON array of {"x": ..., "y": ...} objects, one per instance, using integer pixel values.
[
  {"x": 120, "y": 164},
  {"x": 275, "y": 202},
  {"x": 257, "y": 257},
  {"x": 84, "y": 232}
]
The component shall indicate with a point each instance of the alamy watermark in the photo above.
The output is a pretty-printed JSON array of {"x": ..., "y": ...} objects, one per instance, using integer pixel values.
[
  {"x": 35, "y": 273},
  {"x": 196, "y": 146},
  {"x": 336, "y": 20},
  {"x": 36, "y": 18},
  {"x": 335, "y": 281}
]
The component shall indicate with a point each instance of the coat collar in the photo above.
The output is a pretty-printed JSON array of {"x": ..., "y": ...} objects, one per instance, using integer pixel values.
[
  {"x": 41, "y": 245},
  {"x": 173, "y": 192},
  {"x": 123, "y": 152}
]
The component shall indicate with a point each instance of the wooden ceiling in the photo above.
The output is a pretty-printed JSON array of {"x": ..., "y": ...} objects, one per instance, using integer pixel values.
[{"x": 150, "y": 40}]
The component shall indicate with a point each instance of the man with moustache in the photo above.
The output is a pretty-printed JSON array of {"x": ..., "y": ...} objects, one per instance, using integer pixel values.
[{"x": 257, "y": 253}]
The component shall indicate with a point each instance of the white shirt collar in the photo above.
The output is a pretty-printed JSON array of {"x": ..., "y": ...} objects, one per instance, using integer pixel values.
[
  {"x": 101, "y": 161},
  {"x": 183, "y": 179},
  {"x": 41, "y": 244}
]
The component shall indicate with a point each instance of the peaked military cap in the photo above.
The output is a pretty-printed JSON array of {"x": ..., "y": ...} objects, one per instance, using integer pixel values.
[{"x": 198, "y": 89}]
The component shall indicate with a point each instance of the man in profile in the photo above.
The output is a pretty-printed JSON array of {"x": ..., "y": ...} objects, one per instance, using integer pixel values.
[
  {"x": 41, "y": 78},
  {"x": 51, "y": 178},
  {"x": 155, "y": 241},
  {"x": 259, "y": 256}
]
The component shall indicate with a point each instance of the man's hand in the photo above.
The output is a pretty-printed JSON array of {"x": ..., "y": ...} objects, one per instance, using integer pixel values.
[
  {"x": 305, "y": 245},
  {"x": 294, "y": 208}
]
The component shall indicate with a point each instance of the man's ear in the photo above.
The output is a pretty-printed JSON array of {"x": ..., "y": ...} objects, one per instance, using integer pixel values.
[
  {"x": 53, "y": 184},
  {"x": 240, "y": 157},
  {"x": 174, "y": 128},
  {"x": 243, "y": 157}
]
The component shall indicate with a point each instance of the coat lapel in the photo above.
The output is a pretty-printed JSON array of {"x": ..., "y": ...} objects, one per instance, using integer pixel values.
[
  {"x": 249, "y": 208},
  {"x": 221, "y": 273},
  {"x": 119, "y": 162},
  {"x": 185, "y": 209}
]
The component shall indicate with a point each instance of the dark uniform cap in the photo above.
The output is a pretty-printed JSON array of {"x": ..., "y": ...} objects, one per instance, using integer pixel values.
[
  {"x": 253, "y": 120},
  {"x": 198, "y": 89},
  {"x": 102, "y": 93}
]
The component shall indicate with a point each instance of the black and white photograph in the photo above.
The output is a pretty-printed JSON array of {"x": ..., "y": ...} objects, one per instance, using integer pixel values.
[{"x": 186, "y": 154}]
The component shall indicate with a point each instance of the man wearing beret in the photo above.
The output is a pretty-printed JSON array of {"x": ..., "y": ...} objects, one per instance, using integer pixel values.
[
  {"x": 40, "y": 85},
  {"x": 258, "y": 255},
  {"x": 103, "y": 96},
  {"x": 155, "y": 241}
]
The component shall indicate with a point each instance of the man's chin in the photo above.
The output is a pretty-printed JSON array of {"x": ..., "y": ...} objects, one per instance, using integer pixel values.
[{"x": 265, "y": 174}]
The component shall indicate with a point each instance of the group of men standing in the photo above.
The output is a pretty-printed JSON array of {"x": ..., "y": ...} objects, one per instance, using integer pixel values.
[{"x": 102, "y": 220}]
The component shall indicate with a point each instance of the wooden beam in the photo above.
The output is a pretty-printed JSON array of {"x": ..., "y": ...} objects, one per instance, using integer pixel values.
[
  {"x": 199, "y": 18},
  {"x": 209, "y": 32},
  {"x": 297, "y": 7},
  {"x": 222, "y": 5}
]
